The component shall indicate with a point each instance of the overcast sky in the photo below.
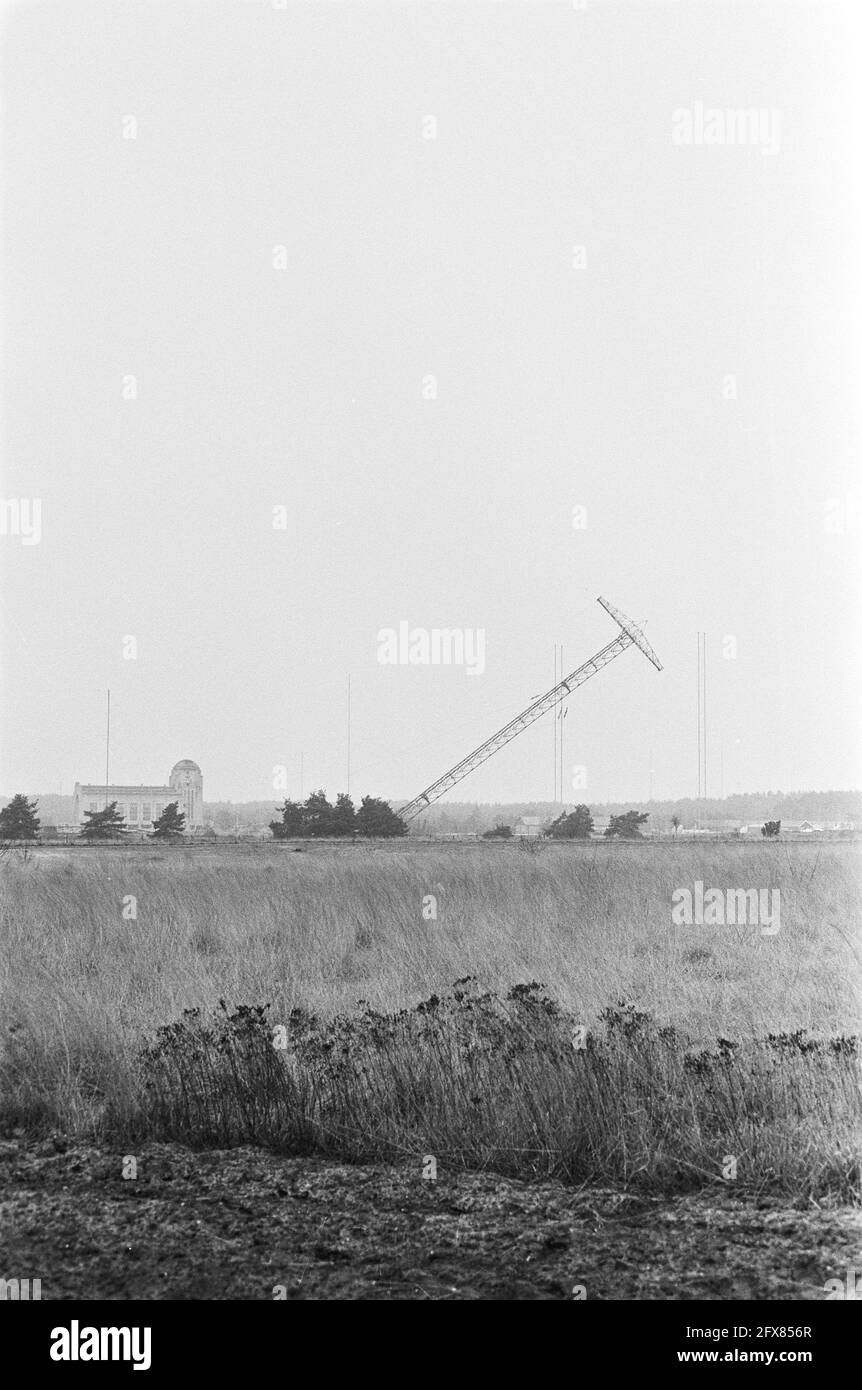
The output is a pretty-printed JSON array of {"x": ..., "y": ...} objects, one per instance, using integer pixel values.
[{"x": 335, "y": 246}]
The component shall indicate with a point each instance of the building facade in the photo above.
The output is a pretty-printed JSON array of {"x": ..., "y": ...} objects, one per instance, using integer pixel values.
[{"x": 141, "y": 805}]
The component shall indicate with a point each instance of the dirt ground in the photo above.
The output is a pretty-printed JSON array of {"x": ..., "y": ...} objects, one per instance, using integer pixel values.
[{"x": 249, "y": 1224}]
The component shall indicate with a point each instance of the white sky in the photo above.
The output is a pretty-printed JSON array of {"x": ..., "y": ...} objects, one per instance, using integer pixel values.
[{"x": 602, "y": 387}]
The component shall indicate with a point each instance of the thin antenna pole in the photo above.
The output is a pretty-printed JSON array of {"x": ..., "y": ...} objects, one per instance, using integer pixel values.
[
  {"x": 698, "y": 716},
  {"x": 348, "y": 733},
  {"x": 562, "y": 710},
  {"x": 704, "y": 716},
  {"x": 108, "y": 752},
  {"x": 555, "y": 729}
]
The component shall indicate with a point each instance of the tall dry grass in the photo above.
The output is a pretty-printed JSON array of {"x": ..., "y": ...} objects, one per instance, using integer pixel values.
[
  {"x": 85, "y": 987},
  {"x": 484, "y": 1081}
]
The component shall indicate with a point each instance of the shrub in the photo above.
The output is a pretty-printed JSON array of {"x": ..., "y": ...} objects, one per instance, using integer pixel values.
[{"x": 482, "y": 1081}]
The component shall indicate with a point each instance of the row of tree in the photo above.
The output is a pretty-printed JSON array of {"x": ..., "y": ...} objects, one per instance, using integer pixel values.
[
  {"x": 19, "y": 821},
  {"x": 578, "y": 825},
  {"x": 109, "y": 824},
  {"x": 319, "y": 818},
  {"x": 314, "y": 817}
]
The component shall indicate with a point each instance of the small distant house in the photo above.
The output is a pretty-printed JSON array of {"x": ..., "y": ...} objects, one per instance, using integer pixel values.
[{"x": 528, "y": 827}]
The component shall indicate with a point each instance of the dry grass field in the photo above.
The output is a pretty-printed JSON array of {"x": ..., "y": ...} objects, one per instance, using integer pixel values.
[
  {"x": 101, "y": 948},
  {"x": 577, "y": 1068}
]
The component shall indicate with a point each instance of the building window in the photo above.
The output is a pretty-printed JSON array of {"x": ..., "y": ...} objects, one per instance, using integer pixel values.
[
  {"x": 121, "y": 810},
  {"x": 133, "y": 811},
  {"x": 93, "y": 806},
  {"x": 147, "y": 816},
  {"x": 157, "y": 810}
]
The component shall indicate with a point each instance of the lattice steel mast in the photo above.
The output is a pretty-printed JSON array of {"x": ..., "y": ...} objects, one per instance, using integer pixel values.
[{"x": 629, "y": 635}]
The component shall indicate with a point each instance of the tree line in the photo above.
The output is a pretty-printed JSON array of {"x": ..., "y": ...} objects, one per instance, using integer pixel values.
[
  {"x": 19, "y": 821},
  {"x": 318, "y": 818},
  {"x": 578, "y": 825},
  {"x": 315, "y": 817}
]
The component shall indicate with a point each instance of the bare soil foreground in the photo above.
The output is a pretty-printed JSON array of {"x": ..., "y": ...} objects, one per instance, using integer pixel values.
[{"x": 246, "y": 1223}]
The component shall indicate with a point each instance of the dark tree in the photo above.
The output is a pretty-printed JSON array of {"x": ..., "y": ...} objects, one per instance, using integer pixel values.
[
  {"x": 170, "y": 824},
  {"x": 103, "y": 825},
  {"x": 500, "y": 832},
  {"x": 377, "y": 818},
  {"x": 292, "y": 823},
  {"x": 342, "y": 821},
  {"x": 626, "y": 826},
  {"x": 317, "y": 814},
  {"x": 577, "y": 825},
  {"x": 18, "y": 820},
  {"x": 771, "y": 829}
]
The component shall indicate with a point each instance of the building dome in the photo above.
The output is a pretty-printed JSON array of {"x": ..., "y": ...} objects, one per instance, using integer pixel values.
[{"x": 186, "y": 779}]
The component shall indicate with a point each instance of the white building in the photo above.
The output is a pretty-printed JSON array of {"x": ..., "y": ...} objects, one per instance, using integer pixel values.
[
  {"x": 141, "y": 805},
  {"x": 528, "y": 827}
]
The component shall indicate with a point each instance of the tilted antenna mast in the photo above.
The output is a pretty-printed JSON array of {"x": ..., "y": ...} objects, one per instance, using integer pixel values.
[{"x": 630, "y": 634}]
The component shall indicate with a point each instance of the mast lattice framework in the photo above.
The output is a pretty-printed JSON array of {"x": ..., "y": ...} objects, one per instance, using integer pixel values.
[{"x": 630, "y": 635}]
